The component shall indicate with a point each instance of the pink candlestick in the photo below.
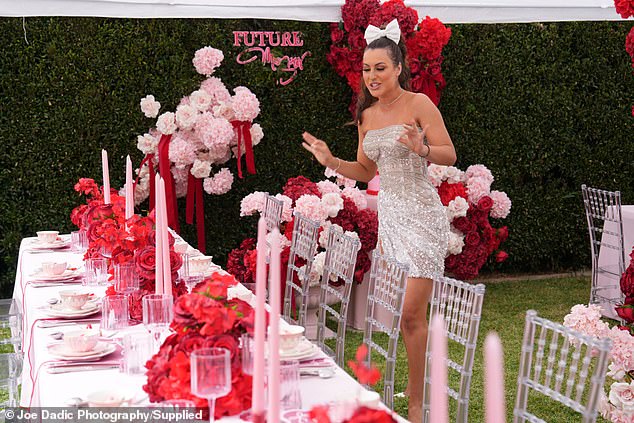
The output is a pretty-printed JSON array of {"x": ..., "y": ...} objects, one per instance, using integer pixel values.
[
  {"x": 129, "y": 195},
  {"x": 439, "y": 411},
  {"x": 495, "y": 409},
  {"x": 257, "y": 405},
  {"x": 167, "y": 268},
  {"x": 274, "y": 330},
  {"x": 106, "y": 177},
  {"x": 158, "y": 285}
]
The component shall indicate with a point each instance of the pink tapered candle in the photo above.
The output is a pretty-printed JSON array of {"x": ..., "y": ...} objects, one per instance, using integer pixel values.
[
  {"x": 129, "y": 187},
  {"x": 158, "y": 286},
  {"x": 167, "y": 268},
  {"x": 106, "y": 177},
  {"x": 274, "y": 330},
  {"x": 257, "y": 406},
  {"x": 439, "y": 411},
  {"x": 495, "y": 410}
]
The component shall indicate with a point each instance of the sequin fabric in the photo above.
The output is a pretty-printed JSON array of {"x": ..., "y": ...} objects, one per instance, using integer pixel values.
[{"x": 413, "y": 226}]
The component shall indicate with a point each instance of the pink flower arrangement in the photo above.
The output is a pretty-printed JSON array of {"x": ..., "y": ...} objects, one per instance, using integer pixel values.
[
  {"x": 469, "y": 203},
  {"x": 618, "y": 405},
  {"x": 203, "y": 136}
]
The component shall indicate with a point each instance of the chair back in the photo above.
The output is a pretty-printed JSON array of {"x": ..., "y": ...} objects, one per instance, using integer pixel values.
[
  {"x": 300, "y": 265},
  {"x": 562, "y": 364},
  {"x": 340, "y": 260},
  {"x": 460, "y": 306},
  {"x": 386, "y": 293},
  {"x": 272, "y": 212}
]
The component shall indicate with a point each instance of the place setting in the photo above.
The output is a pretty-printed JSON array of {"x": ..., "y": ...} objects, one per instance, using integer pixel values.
[
  {"x": 55, "y": 272},
  {"x": 82, "y": 345},
  {"x": 73, "y": 304},
  {"x": 48, "y": 241}
]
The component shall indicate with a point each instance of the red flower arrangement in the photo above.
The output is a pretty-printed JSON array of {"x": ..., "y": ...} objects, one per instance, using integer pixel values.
[
  {"x": 625, "y": 8},
  {"x": 626, "y": 310},
  {"x": 424, "y": 42},
  {"x": 204, "y": 318}
]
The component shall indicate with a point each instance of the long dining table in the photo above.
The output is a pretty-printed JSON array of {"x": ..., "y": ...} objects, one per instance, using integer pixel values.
[{"x": 44, "y": 385}]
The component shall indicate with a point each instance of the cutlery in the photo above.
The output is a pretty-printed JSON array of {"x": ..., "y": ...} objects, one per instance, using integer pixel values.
[
  {"x": 85, "y": 368},
  {"x": 323, "y": 373},
  {"x": 49, "y": 284},
  {"x": 55, "y": 323}
]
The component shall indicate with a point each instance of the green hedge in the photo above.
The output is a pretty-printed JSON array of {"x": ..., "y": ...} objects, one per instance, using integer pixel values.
[{"x": 545, "y": 107}]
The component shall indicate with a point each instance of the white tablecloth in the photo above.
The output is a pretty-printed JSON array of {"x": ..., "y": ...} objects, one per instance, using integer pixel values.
[{"x": 40, "y": 388}]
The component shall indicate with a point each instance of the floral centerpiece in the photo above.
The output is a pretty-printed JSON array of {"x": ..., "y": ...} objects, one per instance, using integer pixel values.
[
  {"x": 110, "y": 235},
  {"x": 626, "y": 310},
  {"x": 205, "y": 318},
  {"x": 338, "y": 203},
  {"x": 424, "y": 41},
  {"x": 618, "y": 405},
  {"x": 192, "y": 145},
  {"x": 470, "y": 203}
]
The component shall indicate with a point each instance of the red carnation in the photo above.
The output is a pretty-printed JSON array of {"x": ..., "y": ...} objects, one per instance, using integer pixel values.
[
  {"x": 298, "y": 186},
  {"x": 396, "y": 9},
  {"x": 448, "y": 192}
]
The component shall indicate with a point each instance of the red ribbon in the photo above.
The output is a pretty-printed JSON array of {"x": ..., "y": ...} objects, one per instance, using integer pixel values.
[
  {"x": 170, "y": 189},
  {"x": 147, "y": 159},
  {"x": 243, "y": 131},
  {"x": 195, "y": 198}
]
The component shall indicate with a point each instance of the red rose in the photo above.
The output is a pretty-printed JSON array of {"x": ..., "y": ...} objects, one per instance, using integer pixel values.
[
  {"x": 627, "y": 281},
  {"x": 503, "y": 233},
  {"x": 485, "y": 203},
  {"x": 501, "y": 256},
  {"x": 625, "y": 312},
  {"x": 448, "y": 192},
  {"x": 370, "y": 415},
  {"x": 625, "y": 8},
  {"x": 356, "y": 40},
  {"x": 451, "y": 261},
  {"x": 462, "y": 224},
  {"x": 472, "y": 239},
  {"x": 336, "y": 34},
  {"x": 77, "y": 215},
  {"x": 145, "y": 261}
]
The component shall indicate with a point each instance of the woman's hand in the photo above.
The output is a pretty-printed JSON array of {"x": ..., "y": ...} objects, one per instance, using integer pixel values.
[
  {"x": 318, "y": 148},
  {"x": 413, "y": 139}
]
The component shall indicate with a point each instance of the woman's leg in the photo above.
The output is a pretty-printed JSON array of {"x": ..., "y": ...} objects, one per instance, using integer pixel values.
[{"x": 414, "y": 330}]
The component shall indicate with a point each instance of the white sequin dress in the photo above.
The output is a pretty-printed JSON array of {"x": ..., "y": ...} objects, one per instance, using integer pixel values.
[{"x": 413, "y": 226}]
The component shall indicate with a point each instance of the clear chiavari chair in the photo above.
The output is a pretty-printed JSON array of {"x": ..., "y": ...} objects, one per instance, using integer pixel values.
[
  {"x": 341, "y": 257},
  {"x": 385, "y": 294},
  {"x": 272, "y": 212},
  {"x": 605, "y": 225},
  {"x": 304, "y": 248},
  {"x": 562, "y": 364},
  {"x": 460, "y": 305}
]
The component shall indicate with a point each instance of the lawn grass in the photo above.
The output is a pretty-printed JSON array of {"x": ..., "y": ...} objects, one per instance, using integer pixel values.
[{"x": 504, "y": 310}]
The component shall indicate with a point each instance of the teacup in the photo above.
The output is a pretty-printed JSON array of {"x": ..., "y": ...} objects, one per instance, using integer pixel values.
[
  {"x": 52, "y": 268},
  {"x": 290, "y": 336},
  {"x": 181, "y": 247},
  {"x": 74, "y": 299},
  {"x": 199, "y": 264},
  {"x": 81, "y": 340},
  {"x": 105, "y": 399},
  {"x": 47, "y": 236}
]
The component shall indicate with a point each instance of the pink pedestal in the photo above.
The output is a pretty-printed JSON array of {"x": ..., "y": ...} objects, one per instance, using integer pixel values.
[{"x": 608, "y": 256}]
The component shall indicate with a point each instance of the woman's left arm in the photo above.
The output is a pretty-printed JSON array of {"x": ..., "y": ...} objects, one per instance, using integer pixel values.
[{"x": 439, "y": 149}]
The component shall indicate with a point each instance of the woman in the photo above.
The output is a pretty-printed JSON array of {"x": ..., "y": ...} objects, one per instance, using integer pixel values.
[{"x": 413, "y": 226}]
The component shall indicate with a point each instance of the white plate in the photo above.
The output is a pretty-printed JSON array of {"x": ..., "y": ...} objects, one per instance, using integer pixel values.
[
  {"x": 62, "y": 352},
  {"x": 67, "y": 275},
  {"x": 58, "y": 311},
  {"x": 305, "y": 349},
  {"x": 36, "y": 244}
]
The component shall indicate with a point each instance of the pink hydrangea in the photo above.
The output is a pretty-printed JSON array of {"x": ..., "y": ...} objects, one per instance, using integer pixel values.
[
  {"x": 281, "y": 238},
  {"x": 207, "y": 59},
  {"x": 287, "y": 207},
  {"x": 220, "y": 183},
  {"x": 453, "y": 175},
  {"x": 501, "y": 204},
  {"x": 181, "y": 153},
  {"x": 216, "y": 90},
  {"x": 435, "y": 173},
  {"x": 480, "y": 172},
  {"x": 200, "y": 169},
  {"x": 147, "y": 143},
  {"x": 224, "y": 110},
  {"x": 326, "y": 187},
  {"x": 332, "y": 203},
  {"x": 216, "y": 133},
  {"x": 477, "y": 188},
  {"x": 245, "y": 104},
  {"x": 587, "y": 319},
  {"x": 166, "y": 123},
  {"x": 181, "y": 176},
  {"x": 149, "y": 106},
  {"x": 200, "y": 100},
  {"x": 186, "y": 116},
  {"x": 354, "y": 194},
  {"x": 310, "y": 206},
  {"x": 252, "y": 203},
  {"x": 256, "y": 133},
  {"x": 622, "y": 353},
  {"x": 141, "y": 190}
]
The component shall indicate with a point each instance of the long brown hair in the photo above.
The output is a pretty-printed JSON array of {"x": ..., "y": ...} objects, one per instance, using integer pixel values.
[{"x": 398, "y": 54}]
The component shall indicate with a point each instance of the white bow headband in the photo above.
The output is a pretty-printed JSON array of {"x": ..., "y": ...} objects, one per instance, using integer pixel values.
[{"x": 391, "y": 31}]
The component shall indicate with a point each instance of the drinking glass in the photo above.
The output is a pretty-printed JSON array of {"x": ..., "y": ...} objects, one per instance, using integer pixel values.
[
  {"x": 211, "y": 375},
  {"x": 247, "y": 344},
  {"x": 158, "y": 313},
  {"x": 178, "y": 404},
  {"x": 192, "y": 280},
  {"x": 183, "y": 272},
  {"x": 96, "y": 272},
  {"x": 137, "y": 350},
  {"x": 114, "y": 312},
  {"x": 290, "y": 396},
  {"x": 126, "y": 279},
  {"x": 78, "y": 241}
]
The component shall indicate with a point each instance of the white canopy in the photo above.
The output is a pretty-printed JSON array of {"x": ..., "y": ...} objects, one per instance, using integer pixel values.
[{"x": 449, "y": 11}]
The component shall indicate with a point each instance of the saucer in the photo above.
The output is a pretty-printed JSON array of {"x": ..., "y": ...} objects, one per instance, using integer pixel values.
[
  {"x": 57, "y": 310},
  {"x": 296, "y": 416},
  {"x": 67, "y": 275},
  {"x": 62, "y": 352},
  {"x": 304, "y": 349},
  {"x": 36, "y": 244}
]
